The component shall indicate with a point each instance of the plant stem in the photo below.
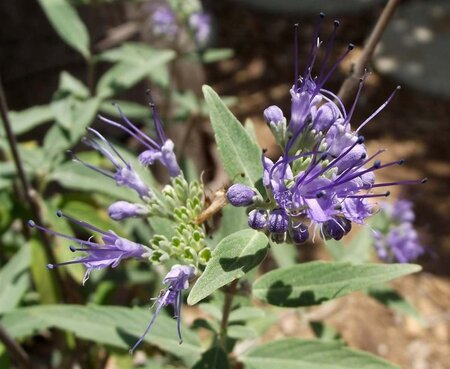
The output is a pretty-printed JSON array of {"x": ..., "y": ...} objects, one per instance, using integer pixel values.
[
  {"x": 28, "y": 193},
  {"x": 17, "y": 353},
  {"x": 350, "y": 85},
  {"x": 229, "y": 296}
]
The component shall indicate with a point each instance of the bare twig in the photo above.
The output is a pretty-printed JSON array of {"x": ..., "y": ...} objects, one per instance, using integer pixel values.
[
  {"x": 227, "y": 305},
  {"x": 17, "y": 353},
  {"x": 350, "y": 85},
  {"x": 28, "y": 193}
]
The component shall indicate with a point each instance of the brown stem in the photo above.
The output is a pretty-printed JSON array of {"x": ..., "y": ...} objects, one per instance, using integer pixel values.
[
  {"x": 229, "y": 296},
  {"x": 17, "y": 353},
  {"x": 350, "y": 85},
  {"x": 28, "y": 193}
]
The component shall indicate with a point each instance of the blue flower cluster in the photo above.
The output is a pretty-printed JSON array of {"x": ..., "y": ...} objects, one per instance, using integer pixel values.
[{"x": 325, "y": 178}]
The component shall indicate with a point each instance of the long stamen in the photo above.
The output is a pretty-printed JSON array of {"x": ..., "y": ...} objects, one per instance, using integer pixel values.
[
  {"x": 296, "y": 75},
  {"x": 178, "y": 312},
  {"x": 162, "y": 303},
  {"x": 125, "y": 129},
  {"x": 313, "y": 44},
  {"x": 81, "y": 223},
  {"x": 333, "y": 68},
  {"x": 101, "y": 137},
  {"x": 88, "y": 141},
  {"x": 410, "y": 182},
  {"x": 328, "y": 49},
  {"x": 90, "y": 166},
  {"x": 376, "y": 112},
  {"x": 32, "y": 224},
  {"x": 335, "y": 98},
  {"x": 358, "y": 93},
  {"x": 156, "y": 119},
  {"x": 386, "y": 194},
  {"x": 134, "y": 128}
]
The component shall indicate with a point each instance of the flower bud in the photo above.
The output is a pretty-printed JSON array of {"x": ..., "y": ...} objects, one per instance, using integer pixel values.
[
  {"x": 336, "y": 228},
  {"x": 122, "y": 209},
  {"x": 278, "y": 221},
  {"x": 241, "y": 195},
  {"x": 299, "y": 233},
  {"x": 273, "y": 114},
  {"x": 257, "y": 219}
]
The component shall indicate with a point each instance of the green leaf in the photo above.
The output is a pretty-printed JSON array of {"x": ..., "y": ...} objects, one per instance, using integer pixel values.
[
  {"x": 316, "y": 282},
  {"x": 109, "y": 325},
  {"x": 392, "y": 299},
  {"x": 14, "y": 279},
  {"x": 293, "y": 353},
  {"x": 214, "y": 358},
  {"x": 69, "y": 83},
  {"x": 246, "y": 313},
  {"x": 233, "y": 219},
  {"x": 238, "y": 152},
  {"x": 233, "y": 257},
  {"x": 284, "y": 254},
  {"x": 215, "y": 55},
  {"x": 76, "y": 177},
  {"x": 24, "y": 120},
  {"x": 241, "y": 332},
  {"x": 358, "y": 251},
  {"x": 43, "y": 279},
  {"x": 66, "y": 22},
  {"x": 134, "y": 62}
]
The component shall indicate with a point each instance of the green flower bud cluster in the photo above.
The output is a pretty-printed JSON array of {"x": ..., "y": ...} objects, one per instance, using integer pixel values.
[{"x": 180, "y": 202}]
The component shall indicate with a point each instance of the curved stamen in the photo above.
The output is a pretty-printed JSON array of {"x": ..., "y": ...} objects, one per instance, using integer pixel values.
[
  {"x": 100, "y": 136},
  {"x": 81, "y": 223},
  {"x": 125, "y": 129},
  {"x": 376, "y": 112},
  {"x": 136, "y": 129},
  {"x": 161, "y": 303},
  {"x": 335, "y": 98}
]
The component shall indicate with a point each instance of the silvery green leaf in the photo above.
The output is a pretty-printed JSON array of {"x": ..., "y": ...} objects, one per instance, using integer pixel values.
[
  {"x": 293, "y": 353},
  {"x": 14, "y": 279},
  {"x": 316, "y": 282},
  {"x": 240, "y": 155},
  {"x": 67, "y": 23},
  {"x": 233, "y": 257}
]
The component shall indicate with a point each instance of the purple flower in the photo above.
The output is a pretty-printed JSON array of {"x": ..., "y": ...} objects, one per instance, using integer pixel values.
[
  {"x": 201, "y": 26},
  {"x": 398, "y": 240},
  {"x": 401, "y": 211},
  {"x": 124, "y": 174},
  {"x": 176, "y": 281},
  {"x": 164, "y": 21},
  {"x": 241, "y": 195},
  {"x": 325, "y": 177},
  {"x": 400, "y": 244},
  {"x": 108, "y": 254},
  {"x": 160, "y": 149},
  {"x": 120, "y": 210}
]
